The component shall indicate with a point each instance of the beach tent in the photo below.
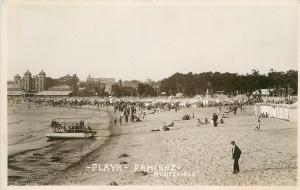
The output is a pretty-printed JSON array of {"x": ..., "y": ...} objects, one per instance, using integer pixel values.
[
  {"x": 241, "y": 98},
  {"x": 179, "y": 95},
  {"x": 293, "y": 112},
  {"x": 278, "y": 111}
]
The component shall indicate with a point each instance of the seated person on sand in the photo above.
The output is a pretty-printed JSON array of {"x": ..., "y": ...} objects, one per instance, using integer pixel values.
[
  {"x": 186, "y": 117},
  {"x": 170, "y": 125},
  {"x": 199, "y": 122},
  {"x": 163, "y": 128},
  {"x": 224, "y": 116},
  {"x": 221, "y": 121},
  {"x": 137, "y": 119}
]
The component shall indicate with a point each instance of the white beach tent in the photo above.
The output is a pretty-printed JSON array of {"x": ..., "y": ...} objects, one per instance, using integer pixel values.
[
  {"x": 278, "y": 111},
  {"x": 293, "y": 108}
]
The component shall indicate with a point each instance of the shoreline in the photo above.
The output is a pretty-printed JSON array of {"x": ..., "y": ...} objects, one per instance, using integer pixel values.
[
  {"x": 87, "y": 153},
  {"x": 88, "y": 157},
  {"x": 144, "y": 147}
]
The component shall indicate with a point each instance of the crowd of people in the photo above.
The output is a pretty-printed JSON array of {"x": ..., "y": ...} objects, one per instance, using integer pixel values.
[{"x": 136, "y": 109}]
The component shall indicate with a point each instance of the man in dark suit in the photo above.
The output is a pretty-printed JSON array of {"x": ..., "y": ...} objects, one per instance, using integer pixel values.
[
  {"x": 236, "y": 153},
  {"x": 215, "y": 119}
]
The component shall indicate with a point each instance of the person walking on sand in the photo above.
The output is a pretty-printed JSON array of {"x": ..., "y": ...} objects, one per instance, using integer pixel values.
[
  {"x": 115, "y": 121},
  {"x": 121, "y": 118},
  {"x": 236, "y": 153},
  {"x": 235, "y": 109},
  {"x": 215, "y": 119},
  {"x": 258, "y": 124}
]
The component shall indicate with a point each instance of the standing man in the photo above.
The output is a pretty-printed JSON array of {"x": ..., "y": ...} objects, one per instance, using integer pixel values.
[
  {"x": 121, "y": 118},
  {"x": 235, "y": 109},
  {"x": 115, "y": 121},
  {"x": 236, "y": 153},
  {"x": 215, "y": 119}
]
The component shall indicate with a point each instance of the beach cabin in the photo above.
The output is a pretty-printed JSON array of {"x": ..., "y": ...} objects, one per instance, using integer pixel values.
[{"x": 277, "y": 111}]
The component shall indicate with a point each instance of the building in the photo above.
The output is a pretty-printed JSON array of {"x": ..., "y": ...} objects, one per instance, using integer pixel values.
[
  {"x": 41, "y": 85},
  {"x": 132, "y": 83},
  {"x": 14, "y": 90},
  {"x": 277, "y": 111},
  {"x": 19, "y": 81},
  {"x": 71, "y": 81},
  {"x": 27, "y": 85},
  {"x": 27, "y": 81},
  {"x": 100, "y": 83},
  {"x": 56, "y": 91},
  {"x": 153, "y": 84},
  {"x": 42, "y": 81},
  {"x": 31, "y": 83}
]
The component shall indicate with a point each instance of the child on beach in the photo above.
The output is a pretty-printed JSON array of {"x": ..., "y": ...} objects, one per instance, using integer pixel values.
[
  {"x": 206, "y": 121},
  {"x": 258, "y": 124}
]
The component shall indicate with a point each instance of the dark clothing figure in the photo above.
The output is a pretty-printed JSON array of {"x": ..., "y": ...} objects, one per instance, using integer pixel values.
[
  {"x": 236, "y": 167},
  {"x": 215, "y": 119},
  {"x": 206, "y": 121},
  {"x": 236, "y": 153},
  {"x": 121, "y": 120},
  {"x": 235, "y": 109},
  {"x": 116, "y": 121}
]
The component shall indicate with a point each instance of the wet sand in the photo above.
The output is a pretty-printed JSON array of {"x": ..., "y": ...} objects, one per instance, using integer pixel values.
[
  {"x": 32, "y": 157},
  {"x": 269, "y": 157}
]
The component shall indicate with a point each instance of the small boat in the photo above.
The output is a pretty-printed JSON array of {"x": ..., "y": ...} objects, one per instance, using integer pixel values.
[{"x": 62, "y": 129}]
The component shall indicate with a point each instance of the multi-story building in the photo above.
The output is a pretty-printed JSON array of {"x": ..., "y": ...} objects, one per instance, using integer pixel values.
[
  {"x": 154, "y": 84},
  {"x": 35, "y": 83},
  {"x": 27, "y": 81},
  {"x": 31, "y": 83},
  {"x": 19, "y": 81},
  {"x": 132, "y": 83},
  {"x": 101, "y": 83},
  {"x": 42, "y": 81},
  {"x": 69, "y": 80}
]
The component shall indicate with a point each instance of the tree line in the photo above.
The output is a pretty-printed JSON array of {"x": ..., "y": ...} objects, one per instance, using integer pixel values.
[
  {"x": 191, "y": 84},
  {"x": 282, "y": 83}
]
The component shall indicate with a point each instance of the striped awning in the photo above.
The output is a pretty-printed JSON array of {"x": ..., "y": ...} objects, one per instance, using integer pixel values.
[{"x": 53, "y": 93}]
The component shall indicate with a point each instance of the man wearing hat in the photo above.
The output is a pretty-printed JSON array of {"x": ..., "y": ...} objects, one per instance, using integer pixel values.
[{"x": 236, "y": 153}]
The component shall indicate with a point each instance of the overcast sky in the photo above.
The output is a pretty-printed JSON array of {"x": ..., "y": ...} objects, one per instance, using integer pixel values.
[{"x": 139, "y": 42}]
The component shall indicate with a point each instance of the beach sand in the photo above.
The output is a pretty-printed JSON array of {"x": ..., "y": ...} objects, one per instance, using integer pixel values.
[{"x": 202, "y": 154}]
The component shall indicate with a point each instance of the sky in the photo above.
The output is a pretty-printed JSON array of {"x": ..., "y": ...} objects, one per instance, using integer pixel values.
[{"x": 139, "y": 42}]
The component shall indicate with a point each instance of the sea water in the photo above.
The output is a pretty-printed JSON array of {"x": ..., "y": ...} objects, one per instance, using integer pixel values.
[{"x": 32, "y": 156}]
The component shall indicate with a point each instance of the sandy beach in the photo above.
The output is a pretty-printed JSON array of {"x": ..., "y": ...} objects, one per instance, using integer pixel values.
[{"x": 269, "y": 157}]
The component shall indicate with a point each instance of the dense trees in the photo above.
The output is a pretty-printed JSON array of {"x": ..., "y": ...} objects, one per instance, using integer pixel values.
[
  {"x": 191, "y": 84},
  {"x": 145, "y": 90},
  {"x": 121, "y": 91}
]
